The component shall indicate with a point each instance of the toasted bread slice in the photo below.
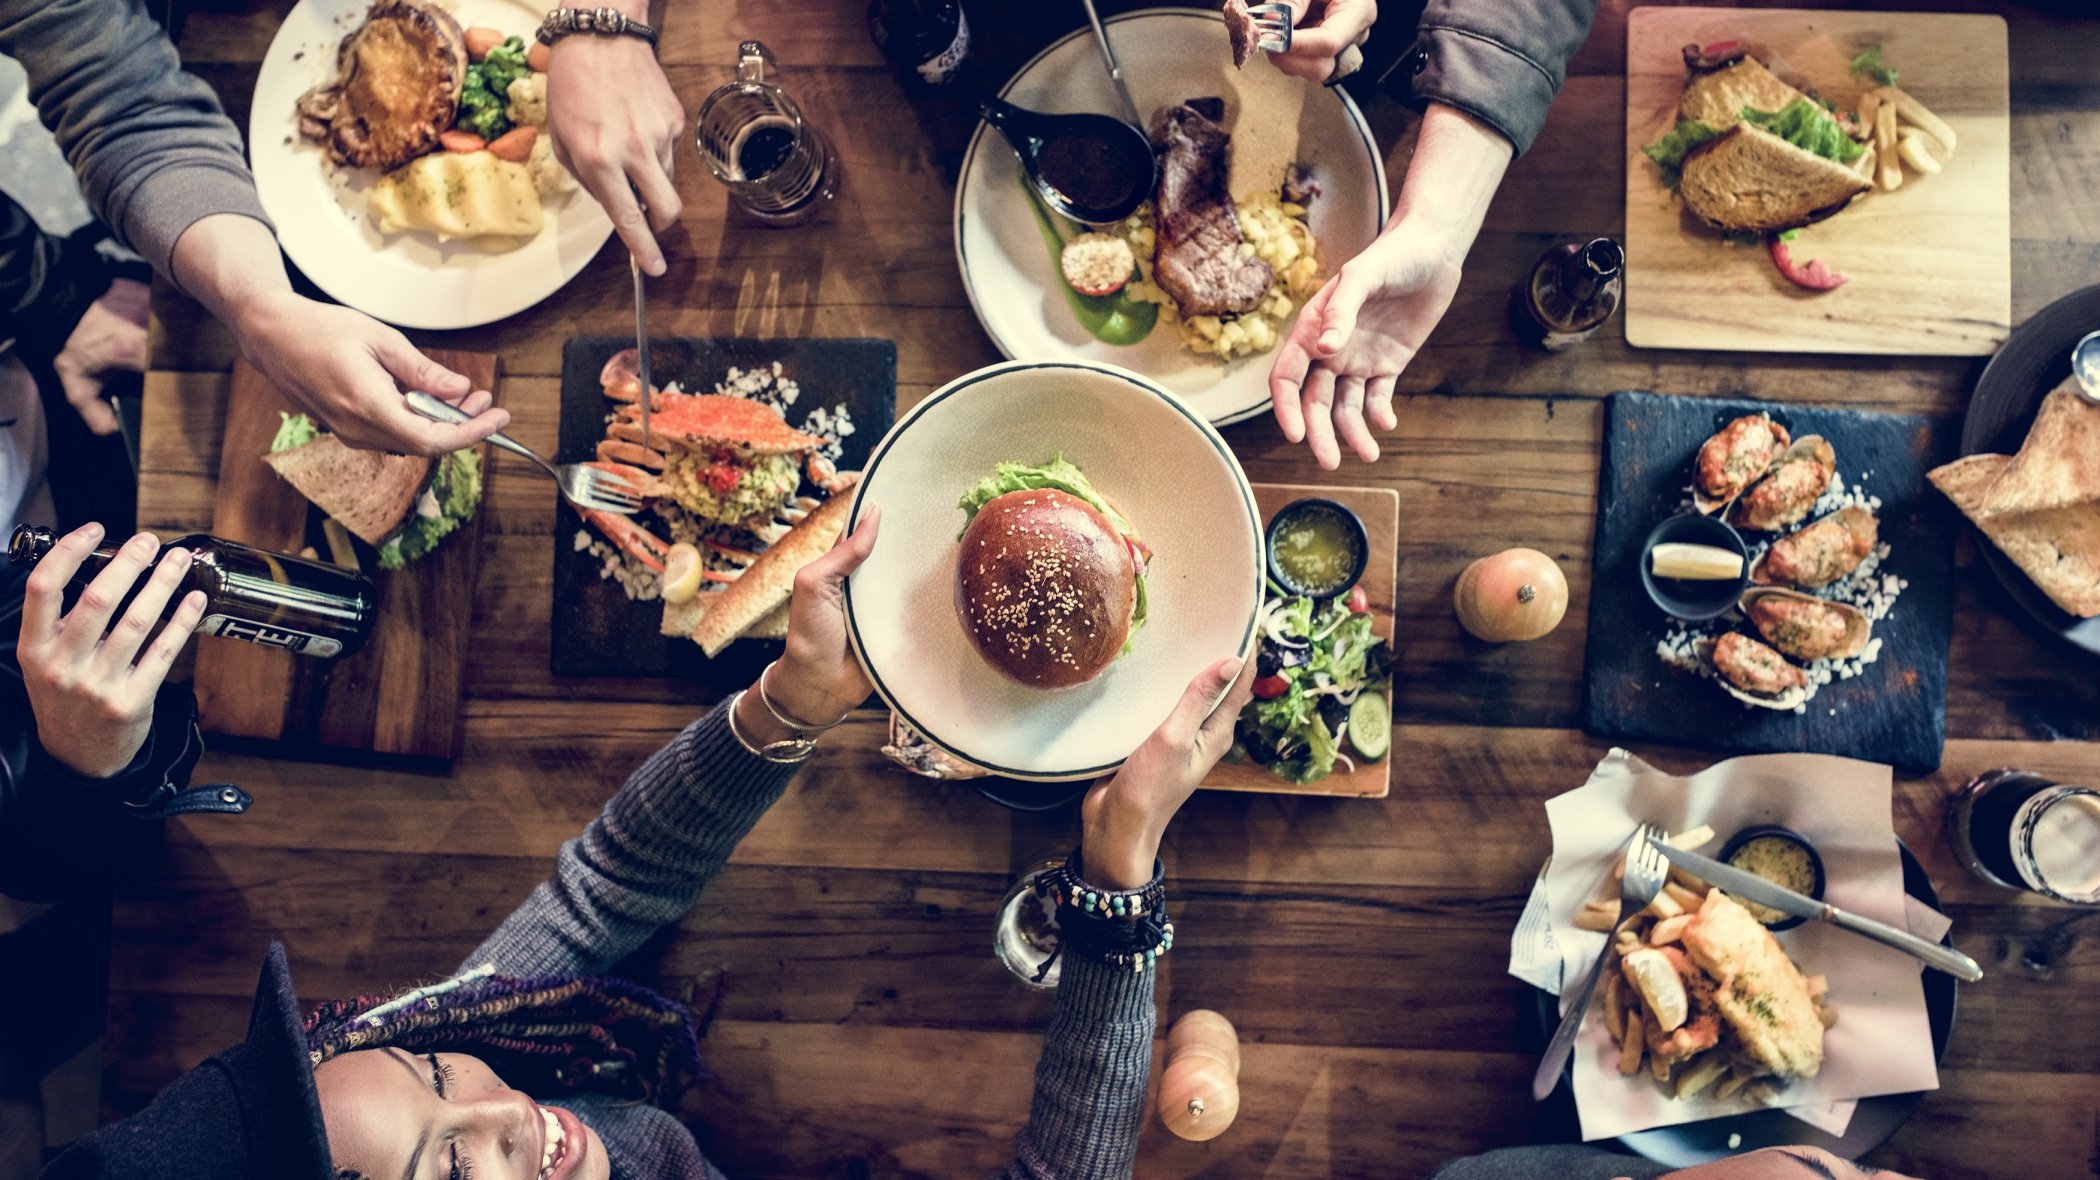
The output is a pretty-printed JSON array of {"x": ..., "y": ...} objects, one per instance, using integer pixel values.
[
  {"x": 369, "y": 493},
  {"x": 1750, "y": 179},
  {"x": 2057, "y": 548},
  {"x": 1717, "y": 99},
  {"x": 765, "y": 584},
  {"x": 2058, "y": 465}
]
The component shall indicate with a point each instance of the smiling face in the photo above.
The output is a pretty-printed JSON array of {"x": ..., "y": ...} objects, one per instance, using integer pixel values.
[{"x": 394, "y": 1115}]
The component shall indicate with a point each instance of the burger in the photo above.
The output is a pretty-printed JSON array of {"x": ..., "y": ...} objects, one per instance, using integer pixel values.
[{"x": 1050, "y": 576}]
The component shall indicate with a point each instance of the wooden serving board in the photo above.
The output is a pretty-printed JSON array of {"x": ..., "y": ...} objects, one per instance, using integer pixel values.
[
  {"x": 1893, "y": 711},
  {"x": 1380, "y": 510},
  {"x": 1930, "y": 262},
  {"x": 400, "y": 693}
]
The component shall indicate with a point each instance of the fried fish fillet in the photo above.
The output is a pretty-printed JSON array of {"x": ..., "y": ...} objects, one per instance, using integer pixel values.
[{"x": 1760, "y": 992}]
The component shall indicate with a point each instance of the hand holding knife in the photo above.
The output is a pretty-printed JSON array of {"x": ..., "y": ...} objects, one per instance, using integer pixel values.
[{"x": 1751, "y": 887}]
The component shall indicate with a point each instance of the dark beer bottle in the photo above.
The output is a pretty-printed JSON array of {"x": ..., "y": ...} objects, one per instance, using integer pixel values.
[
  {"x": 1572, "y": 289},
  {"x": 926, "y": 41},
  {"x": 250, "y": 594}
]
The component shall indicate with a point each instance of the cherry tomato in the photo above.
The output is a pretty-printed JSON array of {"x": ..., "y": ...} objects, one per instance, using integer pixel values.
[
  {"x": 1268, "y": 688},
  {"x": 1359, "y": 602}
]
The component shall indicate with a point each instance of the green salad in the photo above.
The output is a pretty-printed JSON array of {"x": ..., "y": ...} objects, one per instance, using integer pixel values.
[{"x": 1321, "y": 681}]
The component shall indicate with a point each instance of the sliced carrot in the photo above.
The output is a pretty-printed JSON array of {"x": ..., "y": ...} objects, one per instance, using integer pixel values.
[
  {"x": 456, "y": 140},
  {"x": 537, "y": 56},
  {"x": 480, "y": 40},
  {"x": 515, "y": 144}
]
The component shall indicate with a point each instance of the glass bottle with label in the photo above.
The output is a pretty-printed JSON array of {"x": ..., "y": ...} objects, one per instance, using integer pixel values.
[
  {"x": 2024, "y": 831},
  {"x": 1573, "y": 288},
  {"x": 250, "y": 594},
  {"x": 925, "y": 40}
]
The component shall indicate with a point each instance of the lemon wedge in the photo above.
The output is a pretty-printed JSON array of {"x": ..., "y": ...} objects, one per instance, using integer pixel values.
[{"x": 681, "y": 573}]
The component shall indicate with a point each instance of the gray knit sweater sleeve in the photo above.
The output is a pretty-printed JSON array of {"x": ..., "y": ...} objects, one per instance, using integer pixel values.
[
  {"x": 154, "y": 151},
  {"x": 640, "y": 864}
]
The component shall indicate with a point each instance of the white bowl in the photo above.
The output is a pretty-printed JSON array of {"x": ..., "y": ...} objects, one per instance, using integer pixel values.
[
  {"x": 409, "y": 279},
  {"x": 1169, "y": 55},
  {"x": 1141, "y": 446}
]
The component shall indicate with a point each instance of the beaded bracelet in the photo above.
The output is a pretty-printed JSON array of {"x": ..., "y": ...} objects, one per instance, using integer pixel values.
[{"x": 1122, "y": 927}]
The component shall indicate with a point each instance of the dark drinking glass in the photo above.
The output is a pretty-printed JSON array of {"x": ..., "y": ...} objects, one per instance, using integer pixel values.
[
  {"x": 250, "y": 594},
  {"x": 2023, "y": 831},
  {"x": 756, "y": 142}
]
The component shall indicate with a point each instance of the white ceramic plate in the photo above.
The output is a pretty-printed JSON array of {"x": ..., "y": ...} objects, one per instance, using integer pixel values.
[
  {"x": 1169, "y": 55},
  {"x": 1142, "y": 446},
  {"x": 407, "y": 279}
]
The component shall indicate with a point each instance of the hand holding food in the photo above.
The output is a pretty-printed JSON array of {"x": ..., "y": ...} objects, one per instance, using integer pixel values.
[
  {"x": 92, "y": 703},
  {"x": 819, "y": 680},
  {"x": 1124, "y": 817},
  {"x": 614, "y": 122},
  {"x": 1325, "y": 29}
]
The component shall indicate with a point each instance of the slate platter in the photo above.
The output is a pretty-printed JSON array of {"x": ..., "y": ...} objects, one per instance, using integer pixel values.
[
  {"x": 1894, "y": 711},
  {"x": 598, "y": 630}
]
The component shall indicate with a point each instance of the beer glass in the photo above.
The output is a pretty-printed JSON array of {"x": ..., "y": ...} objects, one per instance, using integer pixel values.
[
  {"x": 2022, "y": 831},
  {"x": 757, "y": 143}
]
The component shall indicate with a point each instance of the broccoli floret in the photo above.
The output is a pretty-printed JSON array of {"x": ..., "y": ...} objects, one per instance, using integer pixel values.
[
  {"x": 481, "y": 111},
  {"x": 504, "y": 64}
]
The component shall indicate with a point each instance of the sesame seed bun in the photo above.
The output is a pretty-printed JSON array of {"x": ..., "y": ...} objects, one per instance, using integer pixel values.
[{"x": 1045, "y": 588}]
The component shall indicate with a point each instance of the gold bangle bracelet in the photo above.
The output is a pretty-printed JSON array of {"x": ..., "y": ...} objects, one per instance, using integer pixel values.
[
  {"x": 784, "y": 753},
  {"x": 766, "y": 698}
]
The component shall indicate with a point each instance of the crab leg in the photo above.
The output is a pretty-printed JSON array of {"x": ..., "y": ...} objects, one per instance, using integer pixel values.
[
  {"x": 632, "y": 539},
  {"x": 633, "y": 454}
]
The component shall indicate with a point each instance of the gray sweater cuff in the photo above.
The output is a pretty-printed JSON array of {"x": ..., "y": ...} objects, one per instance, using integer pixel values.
[
  {"x": 1484, "y": 78},
  {"x": 154, "y": 209},
  {"x": 1090, "y": 1083}
]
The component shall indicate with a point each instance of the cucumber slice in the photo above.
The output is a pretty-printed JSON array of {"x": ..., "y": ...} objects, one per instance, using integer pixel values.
[{"x": 1370, "y": 726}]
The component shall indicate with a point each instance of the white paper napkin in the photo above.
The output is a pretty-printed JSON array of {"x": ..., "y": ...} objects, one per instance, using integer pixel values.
[{"x": 1882, "y": 1043}]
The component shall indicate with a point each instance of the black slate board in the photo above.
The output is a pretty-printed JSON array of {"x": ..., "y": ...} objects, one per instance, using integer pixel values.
[
  {"x": 598, "y": 630},
  {"x": 1894, "y": 711}
]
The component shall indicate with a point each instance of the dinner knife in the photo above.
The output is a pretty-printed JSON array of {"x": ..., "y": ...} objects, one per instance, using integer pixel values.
[
  {"x": 1751, "y": 887},
  {"x": 641, "y": 345}
]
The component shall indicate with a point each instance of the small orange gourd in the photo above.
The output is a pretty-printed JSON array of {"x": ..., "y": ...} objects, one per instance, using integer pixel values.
[
  {"x": 1514, "y": 595},
  {"x": 1199, "y": 1087}
]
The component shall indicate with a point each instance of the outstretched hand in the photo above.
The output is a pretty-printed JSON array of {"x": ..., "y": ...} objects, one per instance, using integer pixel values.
[
  {"x": 1124, "y": 817},
  {"x": 1344, "y": 356},
  {"x": 92, "y": 704},
  {"x": 820, "y": 680}
]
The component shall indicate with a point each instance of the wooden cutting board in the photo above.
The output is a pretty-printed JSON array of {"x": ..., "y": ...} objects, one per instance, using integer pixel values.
[
  {"x": 1930, "y": 262},
  {"x": 400, "y": 693},
  {"x": 1380, "y": 510}
]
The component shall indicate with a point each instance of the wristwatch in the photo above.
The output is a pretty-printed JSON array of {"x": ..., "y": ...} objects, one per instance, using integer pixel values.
[{"x": 604, "y": 22}]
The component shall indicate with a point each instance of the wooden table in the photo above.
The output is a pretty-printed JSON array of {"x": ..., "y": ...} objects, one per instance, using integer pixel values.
[{"x": 859, "y": 1025}]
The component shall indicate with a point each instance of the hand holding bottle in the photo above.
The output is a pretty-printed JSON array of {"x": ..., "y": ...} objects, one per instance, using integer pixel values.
[{"x": 92, "y": 703}]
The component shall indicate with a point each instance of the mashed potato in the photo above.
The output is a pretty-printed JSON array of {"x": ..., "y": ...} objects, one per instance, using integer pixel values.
[
  {"x": 1271, "y": 229},
  {"x": 458, "y": 195}
]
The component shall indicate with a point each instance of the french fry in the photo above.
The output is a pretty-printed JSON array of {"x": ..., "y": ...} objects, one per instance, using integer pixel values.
[
  {"x": 1659, "y": 1067},
  {"x": 1889, "y": 172},
  {"x": 1669, "y": 930},
  {"x": 1600, "y": 916},
  {"x": 1911, "y": 145},
  {"x": 1916, "y": 114},
  {"x": 1866, "y": 164},
  {"x": 1763, "y": 1093},
  {"x": 1730, "y": 1084},
  {"x": 1686, "y": 900},
  {"x": 1869, "y": 105},
  {"x": 1828, "y": 1014},
  {"x": 1703, "y": 1071},
  {"x": 1691, "y": 838},
  {"x": 1626, "y": 939},
  {"x": 1614, "y": 1003},
  {"x": 1664, "y": 906},
  {"x": 1631, "y": 1044},
  {"x": 1818, "y": 987}
]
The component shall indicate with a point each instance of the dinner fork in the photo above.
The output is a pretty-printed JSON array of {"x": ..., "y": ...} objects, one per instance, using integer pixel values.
[
  {"x": 1643, "y": 879},
  {"x": 588, "y": 488},
  {"x": 1272, "y": 24}
]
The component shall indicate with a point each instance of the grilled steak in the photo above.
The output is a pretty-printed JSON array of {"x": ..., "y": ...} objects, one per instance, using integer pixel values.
[
  {"x": 1239, "y": 27},
  {"x": 396, "y": 87},
  {"x": 1197, "y": 259}
]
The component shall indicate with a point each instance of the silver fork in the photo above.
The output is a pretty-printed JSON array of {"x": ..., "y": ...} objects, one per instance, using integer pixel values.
[
  {"x": 1643, "y": 879},
  {"x": 1273, "y": 23},
  {"x": 586, "y": 487}
]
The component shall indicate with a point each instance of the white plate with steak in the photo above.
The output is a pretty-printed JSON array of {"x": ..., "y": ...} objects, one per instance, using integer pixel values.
[{"x": 1173, "y": 59}]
